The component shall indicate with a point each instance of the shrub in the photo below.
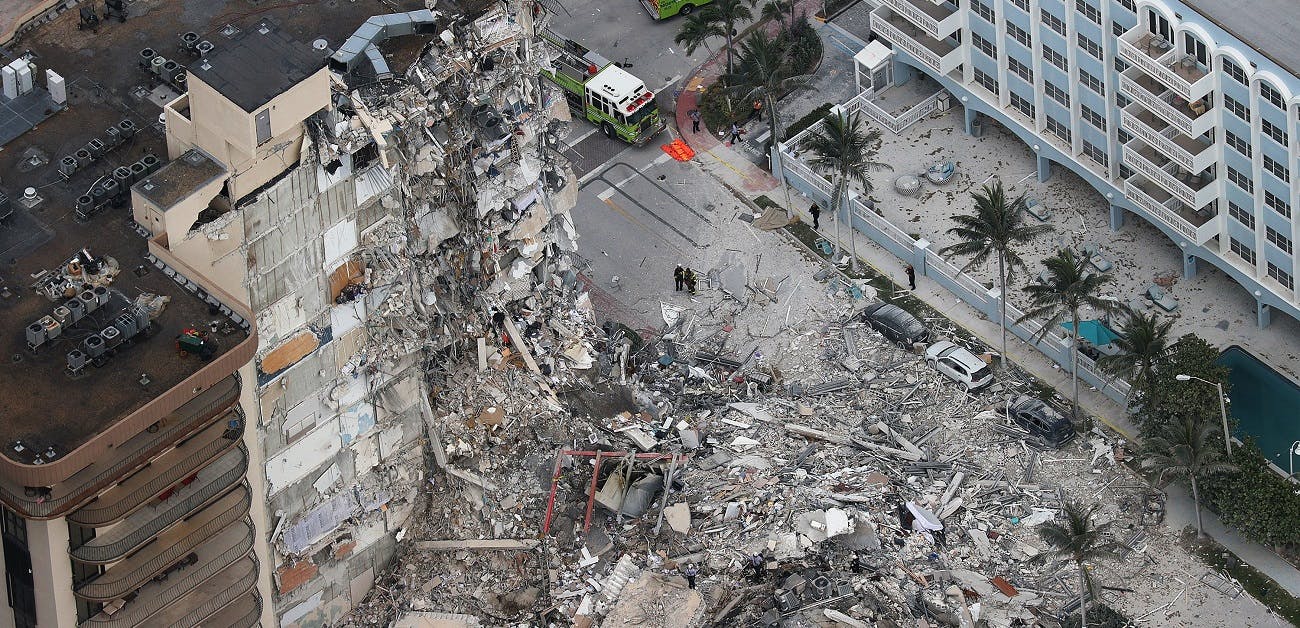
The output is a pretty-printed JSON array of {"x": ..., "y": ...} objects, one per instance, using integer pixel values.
[{"x": 1254, "y": 499}]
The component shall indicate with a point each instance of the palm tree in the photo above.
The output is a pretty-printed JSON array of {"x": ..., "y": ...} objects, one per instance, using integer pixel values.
[
  {"x": 778, "y": 10},
  {"x": 1143, "y": 342},
  {"x": 696, "y": 31},
  {"x": 726, "y": 14},
  {"x": 1078, "y": 540},
  {"x": 1188, "y": 449},
  {"x": 763, "y": 72},
  {"x": 993, "y": 230},
  {"x": 1066, "y": 289},
  {"x": 842, "y": 147}
]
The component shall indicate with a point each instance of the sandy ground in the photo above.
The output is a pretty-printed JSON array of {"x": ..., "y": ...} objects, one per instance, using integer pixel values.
[{"x": 1212, "y": 304}]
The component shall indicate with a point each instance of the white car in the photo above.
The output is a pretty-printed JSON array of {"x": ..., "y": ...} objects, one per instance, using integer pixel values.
[{"x": 959, "y": 365}]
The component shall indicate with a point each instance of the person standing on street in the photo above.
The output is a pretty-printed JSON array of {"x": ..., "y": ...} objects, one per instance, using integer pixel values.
[
  {"x": 755, "y": 111},
  {"x": 735, "y": 134},
  {"x": 911, "y": 277},
  {"x": 690, "y": 572},
  {"x": 816, "y": 215},
  {"x": 695, "y": 120},
  {"x": 679, "y": 278}
]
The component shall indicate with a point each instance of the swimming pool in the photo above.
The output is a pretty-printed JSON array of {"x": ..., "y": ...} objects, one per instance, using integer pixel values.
[{"x": 1264, "y": 403}]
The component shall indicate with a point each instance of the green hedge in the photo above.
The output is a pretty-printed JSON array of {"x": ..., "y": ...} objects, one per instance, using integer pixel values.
[{"x": 805, "y": 47}]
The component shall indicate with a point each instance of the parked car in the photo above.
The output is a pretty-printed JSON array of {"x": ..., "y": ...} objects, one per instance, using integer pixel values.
[
  {"x": 895, "y": 323},
  {"x": 959, "y": 365},
  {"x": 1044, "y": 422}
]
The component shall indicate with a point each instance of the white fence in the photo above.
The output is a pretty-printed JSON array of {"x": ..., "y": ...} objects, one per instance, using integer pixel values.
[
  {"x": 1055, "y": 344},
  {"x": 862, "y": 103}
]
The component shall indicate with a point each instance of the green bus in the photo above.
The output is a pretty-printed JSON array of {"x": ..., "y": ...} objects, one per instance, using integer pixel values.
[
  {"x": 663, "y": 9},
  {"x": 604, "y": 93}
]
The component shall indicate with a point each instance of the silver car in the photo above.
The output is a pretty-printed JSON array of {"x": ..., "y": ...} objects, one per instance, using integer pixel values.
[{"x": 959, "y": 365}]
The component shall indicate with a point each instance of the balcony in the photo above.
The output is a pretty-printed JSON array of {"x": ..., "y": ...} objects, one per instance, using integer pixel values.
[
  {"x": 1195, "y": 190},
  {"x": 942, "y": 56},
  {"x": 221, "y": 591},
  {"x": 168, "y": 548},
  {"x": 1161, "y": 60},
  {"x": 1192, "y": 153},
  {"x": 938, "y": 21},
  {"x": 244, "y": 612},
  {"x": 1192, "y": 120},
  {"x": 217, "y": 568},
  {"x": 163, "y": 474},
  {"x": 135, "y": 452},
  {"x": 145, "y": 524},
  {"x": 1198, "y": 226}
]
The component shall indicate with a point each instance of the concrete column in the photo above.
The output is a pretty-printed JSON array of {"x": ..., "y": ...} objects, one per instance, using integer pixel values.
[
  {"x": 1044, "y": 169},
  {"x": 971, "y": 116},
  {"x": 1263, "y": 311},
  {"x": 1116, "y": 217},
  {"x": 52, "y": 573},
  {"x": 1189, "y": 266},
  {"x": 918, "y": 256}
]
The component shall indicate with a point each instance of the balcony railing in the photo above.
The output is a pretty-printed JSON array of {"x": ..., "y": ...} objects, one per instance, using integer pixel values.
[
  {"x": 167, "y": 549},
  {"x": 939, "y": 21},
  {"x": 242, "y": 577},
  {"x": 1194, "y": 190},
  {"x": 1190, "y": 153},
  {"x": 939, "y": 55},
  {"x": 1162, "y": 61},
  {"x": 220, "y": 553},
  {"x": 1192, "y": 122},
  {"x": 144, "y": 525},
  {"x": 1164, "y": 208},
  {"x": 164, "y": 473},
  {"x": 244, "y": 612},
  {"x": 133, "y": 453},
  {"x": 862, "y": 103}
]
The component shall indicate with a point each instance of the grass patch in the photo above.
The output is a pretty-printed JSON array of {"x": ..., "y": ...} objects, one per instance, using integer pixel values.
[{"x": 1258, "y": 585}]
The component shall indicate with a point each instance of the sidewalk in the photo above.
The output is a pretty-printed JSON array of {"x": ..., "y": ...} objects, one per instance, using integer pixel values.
[{"x": 744, "y": 177}]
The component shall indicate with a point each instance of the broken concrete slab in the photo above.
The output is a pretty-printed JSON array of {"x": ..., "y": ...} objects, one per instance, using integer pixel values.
[{"x": 678, "y": 517}]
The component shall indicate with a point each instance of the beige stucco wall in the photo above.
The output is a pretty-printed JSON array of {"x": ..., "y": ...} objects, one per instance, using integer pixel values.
[{"x": 15, "y": 13}]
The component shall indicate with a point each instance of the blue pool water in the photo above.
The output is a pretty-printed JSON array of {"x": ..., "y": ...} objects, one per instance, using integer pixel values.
[{"x": 1265, "y": 403}]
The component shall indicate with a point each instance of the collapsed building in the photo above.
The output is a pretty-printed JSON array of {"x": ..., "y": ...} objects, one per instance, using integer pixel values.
[{"x": 350, "y": 220}]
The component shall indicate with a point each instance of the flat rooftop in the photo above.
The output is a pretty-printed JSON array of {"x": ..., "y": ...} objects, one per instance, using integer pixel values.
[
  {"x": 45, "y": 406},
  {"x": 257, "y": 65},
  {"x": 1269, "y": 26},
  {"x": 179, "y": 178}
]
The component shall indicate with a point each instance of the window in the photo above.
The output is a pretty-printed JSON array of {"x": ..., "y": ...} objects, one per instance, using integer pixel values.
[
  {"x": 1240, "y": 180},
  {"x": 1237, "y": 143},
  {"x": 1232, "y": 69},
  {"x": 983, "y": 45},
  {"x": 1277, "y": 204},
  {"x": 1059, "y": 130},
  {"x": 1123, "y": 136},
  {"x": 1019, "y": 34},
  {"x": 1279, "y": 170},
  {"x": 1125, "y": 172},
  {"x": 1096, "y": 154},
  {"x": 1091, "y": 82},
  {"x": 1159, "y": 25},
  {"x": 1276, "y": 237},
  {"x": 1023, "y": 4},
  {"x": 1131, "y": 5},
  {"x": 263, "y": 126},
  {"x": 1121, "y": 101},
  {"x": 1242, "y": 216},
  {"x": 1117, "y": 29},
  {"x": 1020, "y": 69},
  {"x": 984, "y": 11},
  {"x": 990, "y": 83},
  {"x": 1235, "y": 106},
  {"x": 1195, "y": 48},
  {"x": 1056, "y": 93},
  {"x": 1267, "y": 92},
  {"x": 1091, "y": 47},
  {"x": 1055, "y": 58},
  {"x": 1241, "y": 250},
  {"x": 1052, "y": 22},
  {"x": 1023, "y": 105},
  {"x": 1092, "y": 13},
  {"x": 1092, "y": 117},
  {"x": 1273, "y": 131},
  {"x": 1280, "y": 275},
  {"x": 1121, "y": 65}
]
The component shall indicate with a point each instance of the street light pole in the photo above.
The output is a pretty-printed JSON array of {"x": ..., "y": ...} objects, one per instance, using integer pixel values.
[{"x": 1223, "y": 406}]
